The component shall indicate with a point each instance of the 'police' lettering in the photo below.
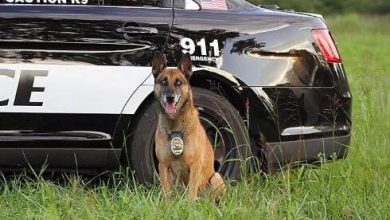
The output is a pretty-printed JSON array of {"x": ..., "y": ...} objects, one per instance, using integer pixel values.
[
  {"x": 7, "y": 73},
  {"x": 26, "y": 87}
]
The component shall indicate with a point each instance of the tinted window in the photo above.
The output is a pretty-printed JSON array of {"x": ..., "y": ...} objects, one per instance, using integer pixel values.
[{"x": 154, "y": 3}]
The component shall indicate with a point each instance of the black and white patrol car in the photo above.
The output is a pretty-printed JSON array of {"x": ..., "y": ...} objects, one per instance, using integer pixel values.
[{"x": 76, "y": 88}]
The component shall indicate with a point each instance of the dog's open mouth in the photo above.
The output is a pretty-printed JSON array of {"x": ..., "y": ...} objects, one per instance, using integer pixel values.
[
  {"x": 170, "y": 104},
  {"x": 170, "y": 108}
]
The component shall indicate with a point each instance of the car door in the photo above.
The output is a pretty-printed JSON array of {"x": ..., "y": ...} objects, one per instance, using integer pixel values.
[{"x": 66, "y": 75}]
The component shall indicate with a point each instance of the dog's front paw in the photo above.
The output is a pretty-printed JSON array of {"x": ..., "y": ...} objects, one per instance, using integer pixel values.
[
  {"x": 167, "y": 194},
  {"x": 193, "y": 199}
]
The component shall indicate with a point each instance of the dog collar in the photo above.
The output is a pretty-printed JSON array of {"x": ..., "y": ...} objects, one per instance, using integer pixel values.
[{"x": 176, "y": 143}]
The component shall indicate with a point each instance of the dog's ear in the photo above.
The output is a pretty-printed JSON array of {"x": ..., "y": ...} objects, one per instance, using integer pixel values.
[
  {"x": 159, "y": 63},
  {"x": 185, "y": 65}
]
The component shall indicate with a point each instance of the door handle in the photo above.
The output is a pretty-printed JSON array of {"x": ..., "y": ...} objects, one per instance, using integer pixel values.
[{"x": 136, "y": 30}]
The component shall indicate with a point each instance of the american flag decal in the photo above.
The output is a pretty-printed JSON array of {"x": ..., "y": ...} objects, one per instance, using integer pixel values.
[{"x": 214, "y": 4}]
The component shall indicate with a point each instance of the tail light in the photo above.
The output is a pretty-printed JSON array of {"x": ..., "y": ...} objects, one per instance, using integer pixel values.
[{"x": 327, "y": 45}]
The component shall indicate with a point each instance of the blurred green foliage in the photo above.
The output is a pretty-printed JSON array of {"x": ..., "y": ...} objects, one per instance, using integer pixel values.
[{"x": 331, "y": 6}]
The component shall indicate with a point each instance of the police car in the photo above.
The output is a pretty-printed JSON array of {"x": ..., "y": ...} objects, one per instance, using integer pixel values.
[{"x": 76, "y": 88}]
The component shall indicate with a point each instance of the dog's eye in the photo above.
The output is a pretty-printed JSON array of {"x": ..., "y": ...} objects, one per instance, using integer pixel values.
[
  {"x": 164, "y": 82},
  {"x": 178, "y": 82}
]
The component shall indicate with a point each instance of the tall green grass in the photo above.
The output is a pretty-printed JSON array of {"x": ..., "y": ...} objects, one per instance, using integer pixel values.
[{"x": 357, "y": 187}]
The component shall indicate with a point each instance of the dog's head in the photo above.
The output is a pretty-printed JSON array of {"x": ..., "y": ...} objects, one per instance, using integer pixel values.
[{"x": 172, "y": 89}]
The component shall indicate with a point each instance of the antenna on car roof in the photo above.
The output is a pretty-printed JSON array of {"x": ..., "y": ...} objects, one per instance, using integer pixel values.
[
  {"x": 162, "y": 51},
  {"x": 170, "y": 28}
]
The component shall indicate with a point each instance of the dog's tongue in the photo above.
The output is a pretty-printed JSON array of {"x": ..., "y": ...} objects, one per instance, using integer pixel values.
[{"x": 170, "y": 108}]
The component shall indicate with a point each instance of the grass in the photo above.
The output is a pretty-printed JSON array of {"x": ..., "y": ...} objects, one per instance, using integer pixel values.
[{"x": 357, "y": 187}]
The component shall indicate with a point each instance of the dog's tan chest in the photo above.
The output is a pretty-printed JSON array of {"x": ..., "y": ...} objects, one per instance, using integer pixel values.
[{"x": 180, "y": 169}]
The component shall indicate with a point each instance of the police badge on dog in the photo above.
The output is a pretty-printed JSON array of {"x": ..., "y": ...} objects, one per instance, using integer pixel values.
[{"x": 177, "y": 143}]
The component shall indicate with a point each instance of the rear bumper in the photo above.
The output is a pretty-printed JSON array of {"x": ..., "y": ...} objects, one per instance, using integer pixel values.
[{"x": 306, "y": 151}]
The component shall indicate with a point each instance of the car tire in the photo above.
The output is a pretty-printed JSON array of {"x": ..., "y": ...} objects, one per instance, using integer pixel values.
[{"x": 223, "y": 124}]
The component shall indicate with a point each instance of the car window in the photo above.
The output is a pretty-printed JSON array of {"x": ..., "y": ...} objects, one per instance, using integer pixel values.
[
  {"x": 153, "y": 3},
  {"x": 182, "y": 4}
]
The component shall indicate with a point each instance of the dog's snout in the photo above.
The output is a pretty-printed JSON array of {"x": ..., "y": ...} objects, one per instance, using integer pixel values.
[{"x": 170, "y": 98}]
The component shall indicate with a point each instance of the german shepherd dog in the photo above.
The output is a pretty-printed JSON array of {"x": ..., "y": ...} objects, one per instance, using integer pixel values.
[{"x": 183, "y": 149}]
